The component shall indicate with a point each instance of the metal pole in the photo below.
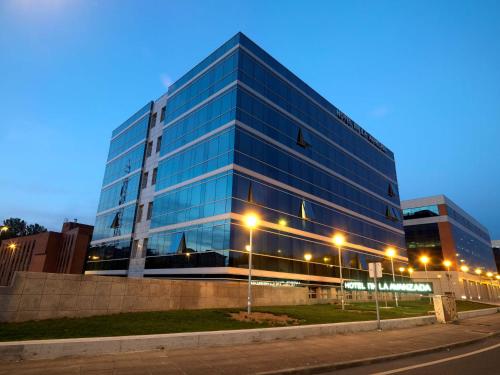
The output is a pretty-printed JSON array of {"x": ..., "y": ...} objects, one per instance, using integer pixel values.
[
  {"x": 394, "y": 281},
  {"x": 427, "y": 277},
  {"x": 249, "y": 302},
  {"x": 341, "y": 279},
  {"x": 449, "y": 281},
  {"x": 376, "y": 305}
]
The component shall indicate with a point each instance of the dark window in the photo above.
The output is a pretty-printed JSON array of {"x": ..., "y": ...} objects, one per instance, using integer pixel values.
[
  {"x": 144, "y": 247},
  {"x": 149, "y": 150},
  {"x": 158, "y": 144},
  {"x": 153, "y": 178},
  {"x": 144, "y": 182},
  {"x": 152, "y": 121},
  {"x": 116, "y": 221},
  {"x": 181, "y": 249},
  {"x": 150, "y": 211},
  {"x": 139, "y": 213},
  {"x": 250, "y": 193},
  {"x": 390, "y": 191},
  {"x": 162, "y": 113},
  {"x": 301, "y": 140}
]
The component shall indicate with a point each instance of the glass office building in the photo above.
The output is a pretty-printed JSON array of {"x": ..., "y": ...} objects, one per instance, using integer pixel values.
[
  {"x": 438, "y": 228},
  {"x": 237, "y": 134}
]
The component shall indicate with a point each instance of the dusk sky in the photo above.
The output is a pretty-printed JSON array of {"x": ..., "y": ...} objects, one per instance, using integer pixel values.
[{"x": 422, "y": 76}]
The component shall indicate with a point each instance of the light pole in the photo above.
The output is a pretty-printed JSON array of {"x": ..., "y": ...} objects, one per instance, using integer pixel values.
[
  {"x": 390, "y": 252},
  {"x": 424, "y": 259},
  {"x": 308, "y": 258},
  {"x": 339, "y": 240},
  {"x": 447, "y": 264},
  {"x": 251, "y": 222}
]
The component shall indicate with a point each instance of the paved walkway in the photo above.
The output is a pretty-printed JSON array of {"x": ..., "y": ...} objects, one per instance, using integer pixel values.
[{"x": 254, "y": 358}]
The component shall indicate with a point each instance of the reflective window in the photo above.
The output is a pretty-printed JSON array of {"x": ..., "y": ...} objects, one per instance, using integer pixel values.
[
  {"x": 122, "y": 192},
  {"x": 125, "y": 164},
  {"x": 130, "y": 137},
  {"x": 116, "y": 223},
  {"x": 420, "y": 212},
  {"x": 141, "y": 112},
  {"x": 216, "y": 78},
  {"x": 207, "y": 118},
  {"x": 204, "y": 198},
  {"x": 214, "y": 152}
]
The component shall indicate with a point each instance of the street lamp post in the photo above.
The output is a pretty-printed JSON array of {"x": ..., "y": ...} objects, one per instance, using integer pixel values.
[
  {"x": 424, "y": 259},
  {"x": 251, "y": 221},
  {"x": 339, "y": 240},
  {"x": 390, "y": 252},
  {"x": 308, "y": 258},
  {"x": 447, "y": 264}
]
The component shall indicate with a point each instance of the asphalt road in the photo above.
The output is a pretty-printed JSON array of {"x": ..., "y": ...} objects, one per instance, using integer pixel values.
[{"x": 477, "y": 359}]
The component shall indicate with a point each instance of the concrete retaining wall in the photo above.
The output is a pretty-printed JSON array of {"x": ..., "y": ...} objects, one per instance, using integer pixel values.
[
  {"x": 35, "y": 296},
  {"x": 46, "y": 349},
  {"x": 474, "y": 313}
]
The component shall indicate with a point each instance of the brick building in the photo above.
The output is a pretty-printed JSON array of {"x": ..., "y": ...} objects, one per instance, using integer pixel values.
[{"x": 59, "y": 252}]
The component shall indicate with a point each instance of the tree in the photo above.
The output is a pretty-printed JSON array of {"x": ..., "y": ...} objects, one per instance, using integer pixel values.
[{"x": 17, "y": 227}]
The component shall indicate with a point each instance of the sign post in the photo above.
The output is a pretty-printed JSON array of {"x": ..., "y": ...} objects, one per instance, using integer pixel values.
[{"x": 375, "y": 271}]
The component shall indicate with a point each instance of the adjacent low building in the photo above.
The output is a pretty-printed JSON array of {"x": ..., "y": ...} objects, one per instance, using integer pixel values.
[
  {"x": 57, "y": 252},
  {"x": 237, "y": 134},
  {"x": 449, "y": 247}
]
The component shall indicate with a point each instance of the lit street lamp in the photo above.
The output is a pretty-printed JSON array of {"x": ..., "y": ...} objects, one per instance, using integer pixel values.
[
  {"x": 5, "y": 228},
  {"x": 251, "y": 222},
  {"x": 464, "y": 268},
  {"x": 339, "y": 240},
  {"x": 410, "y": 271},
  {"x": 401, "y": 270},
  {"x": 390, "y": 252}
]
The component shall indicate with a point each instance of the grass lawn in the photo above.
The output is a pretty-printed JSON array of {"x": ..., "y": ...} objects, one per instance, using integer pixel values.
[{"x": 206, "y": 320}]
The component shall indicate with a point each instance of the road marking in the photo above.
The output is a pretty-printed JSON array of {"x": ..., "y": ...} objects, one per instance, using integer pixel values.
[{"x": 438, "y": 361}]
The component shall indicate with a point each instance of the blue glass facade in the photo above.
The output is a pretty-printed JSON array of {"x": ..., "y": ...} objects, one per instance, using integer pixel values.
[
  {"x": 116, "y": 212},
  {"x": 241, "y": 133},
  {"x": 231, "y": 146}
]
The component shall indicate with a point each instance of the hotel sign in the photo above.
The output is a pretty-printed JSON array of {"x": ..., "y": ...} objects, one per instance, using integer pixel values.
[
  {"x": 358, "y": 129},
  {"x": 382, "y": 286}
]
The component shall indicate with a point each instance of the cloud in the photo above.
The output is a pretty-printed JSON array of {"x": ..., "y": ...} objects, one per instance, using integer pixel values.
[
  {"x": 380, "y": 111},
  {"x": 166, "y": 80}
]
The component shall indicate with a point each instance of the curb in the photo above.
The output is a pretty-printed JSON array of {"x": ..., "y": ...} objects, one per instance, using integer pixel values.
[{"x": 319, "y": 369}]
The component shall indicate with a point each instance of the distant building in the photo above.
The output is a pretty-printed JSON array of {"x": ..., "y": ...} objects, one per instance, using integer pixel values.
[
  {"x": 495, "y": 245},
  {"x": 59, "y": 252},
  {"x": 458, "y": 248}
]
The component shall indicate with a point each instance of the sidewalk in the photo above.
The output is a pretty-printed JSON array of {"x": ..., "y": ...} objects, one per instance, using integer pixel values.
[{"x": 254, "y": 358}]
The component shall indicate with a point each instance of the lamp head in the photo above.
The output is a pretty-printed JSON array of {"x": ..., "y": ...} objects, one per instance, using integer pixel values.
[
  {"x": 338, "y": 239},
  {"x": 251, "y": 220},
  {"x": 390, "y": 252},
  {"x": 424, "y": 259}
]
